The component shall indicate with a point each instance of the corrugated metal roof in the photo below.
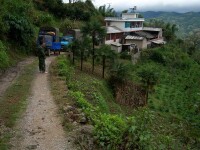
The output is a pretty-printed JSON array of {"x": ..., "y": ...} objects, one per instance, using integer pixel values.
[
  {"x": 159, "y": 41},
  {"x": 130, "y": 37},
  {"x": 112, "y": 29},
  {"x": 151, "y": 29}
]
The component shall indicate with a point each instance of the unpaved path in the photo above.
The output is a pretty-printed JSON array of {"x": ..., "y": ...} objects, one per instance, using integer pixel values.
[
  {"x": 8, "y": 77},
  {"x": 40, "y": 128}
]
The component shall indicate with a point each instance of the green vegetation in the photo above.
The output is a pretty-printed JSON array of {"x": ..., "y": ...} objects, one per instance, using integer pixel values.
[
  {"x": 13, "y": 103},
  {"x": 3, "y": 57},
  {"x": 171, "y": 120},
  {"x": 107, "y": 11},
  {"x": 20, "y": 21},
  {"x": 169, "y": 75},
  {"x": 186, "y": 22},
  {"x": 93, "y": 28}
]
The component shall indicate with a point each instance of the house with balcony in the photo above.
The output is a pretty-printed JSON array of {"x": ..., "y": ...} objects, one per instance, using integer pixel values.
[
  {"x": 128, "y": 29},
  {"x": 117, "y": 27}
]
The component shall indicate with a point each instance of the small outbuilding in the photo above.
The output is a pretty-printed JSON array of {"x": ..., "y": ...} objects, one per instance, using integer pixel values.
[
  {"x": 116, "y": 47},
  {"x": 141, "y": 42}
]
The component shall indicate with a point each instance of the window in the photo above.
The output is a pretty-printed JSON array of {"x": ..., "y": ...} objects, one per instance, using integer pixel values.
[{"x": 127, "y": 24}]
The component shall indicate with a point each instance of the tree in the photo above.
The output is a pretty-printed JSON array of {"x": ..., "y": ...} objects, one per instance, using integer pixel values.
[
  {"x": 94, "y": 29},
  {"x": 149, "y": 78},
  {"x": 106, "y": 12},
  {"x": 169, "y": 30},
  {"x": 193, "y": 41},
  {"x": 74, "y": 47},
  {"x": 85, "y": 46},
  {"x": 106, "y": 53},
  {"x": 119, "y": 72}
]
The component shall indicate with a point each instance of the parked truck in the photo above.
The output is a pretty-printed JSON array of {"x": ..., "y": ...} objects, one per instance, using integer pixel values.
[
  {"x": 51, "y": 38},
  {"x": 75, "y": 33}
]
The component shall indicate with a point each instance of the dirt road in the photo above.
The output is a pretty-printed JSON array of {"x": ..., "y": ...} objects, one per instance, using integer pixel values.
[
  {"x": 40, "y": 127},
  {"x": 12, "y": 73}
]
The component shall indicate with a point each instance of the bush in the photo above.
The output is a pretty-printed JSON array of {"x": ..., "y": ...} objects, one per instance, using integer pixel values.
[
  {"x": 42, "y": 19},
  {"x": 3, "y": 57},
  {"x": 20, "y": 29},
  {"x": 125, "y": 55},
  {"x": 64, "y": 68},
  {"x": 109, "y": 130},
  {"x": 157, "y": 56}
]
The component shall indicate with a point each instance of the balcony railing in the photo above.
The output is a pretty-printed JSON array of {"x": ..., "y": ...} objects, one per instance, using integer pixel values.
[{"x": 123, "y": 19}]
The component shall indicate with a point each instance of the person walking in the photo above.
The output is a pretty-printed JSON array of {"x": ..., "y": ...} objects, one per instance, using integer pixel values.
[{"x": 41, "y": 55}]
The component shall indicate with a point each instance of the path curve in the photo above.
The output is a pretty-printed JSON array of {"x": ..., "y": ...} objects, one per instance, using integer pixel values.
[
  {"x": 41, "y": 128},
  {"x": 7, "y": 78}
]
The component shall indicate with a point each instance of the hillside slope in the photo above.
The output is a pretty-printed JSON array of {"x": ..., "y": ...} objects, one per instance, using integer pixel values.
[{"x": 186, "y": 22}]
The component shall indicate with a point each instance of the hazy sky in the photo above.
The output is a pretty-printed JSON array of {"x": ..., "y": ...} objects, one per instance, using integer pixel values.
[{"x": 154, "y": 5}]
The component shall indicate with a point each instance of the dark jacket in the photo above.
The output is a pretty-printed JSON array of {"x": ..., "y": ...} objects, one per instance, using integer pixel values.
[{"x": 40, "y": 52}]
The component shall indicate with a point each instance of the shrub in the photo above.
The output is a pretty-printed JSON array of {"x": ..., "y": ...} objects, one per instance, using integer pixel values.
[
  {"x": 109, "y": 130},
  {"x": 42, "y": 19},
  {"x": 20, "y": 29},
  {"x": 91, "y": 111},
  {"x": 125, "y": 55},
  {"x": 157, "y": 56},
  {"x": 64, "y": 68},
  {"x": 3, "y": 57}
]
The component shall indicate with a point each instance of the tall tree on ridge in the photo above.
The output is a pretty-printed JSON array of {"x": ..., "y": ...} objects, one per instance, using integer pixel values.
[
  {"x": 95, "y": 30},
  {"x": 105, "y": 52}
]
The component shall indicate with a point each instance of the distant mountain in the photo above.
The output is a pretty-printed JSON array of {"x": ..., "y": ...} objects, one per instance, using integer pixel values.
[{"x": 186, "y": 22}]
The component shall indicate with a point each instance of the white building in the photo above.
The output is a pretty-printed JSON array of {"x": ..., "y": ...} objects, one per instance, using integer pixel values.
[
  {"x": 117, "y": 27},
  {"x": 129, "y": 29}
]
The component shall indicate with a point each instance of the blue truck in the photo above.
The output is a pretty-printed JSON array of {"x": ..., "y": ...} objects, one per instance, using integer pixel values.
[
  {"x": 66, "y": 41},
  {"x": 51, "y": 38}
]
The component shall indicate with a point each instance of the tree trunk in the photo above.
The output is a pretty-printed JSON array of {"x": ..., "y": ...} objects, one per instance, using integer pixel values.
[
  {"x": 147, "y": 91},
  {"x": 81, "y": 60},
  {"x": 73, "y": 51},
  {"x": 93, "y": 54},
  {"x": 103, "y": 64}
]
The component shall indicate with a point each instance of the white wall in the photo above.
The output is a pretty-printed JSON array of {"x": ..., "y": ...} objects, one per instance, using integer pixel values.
[
  {"x": 111, "y": 41},
  {"x": 142, "y": 44},
  {"x": 118, "y": 49},
  {"x": 129, "y": 15},
  {"x": 121, "y": 25}
]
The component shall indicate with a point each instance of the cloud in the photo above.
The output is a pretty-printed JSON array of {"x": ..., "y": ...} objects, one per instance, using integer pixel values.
[
  {"x": 149, "y": 5},
  {"x": 155, "y": 5}
]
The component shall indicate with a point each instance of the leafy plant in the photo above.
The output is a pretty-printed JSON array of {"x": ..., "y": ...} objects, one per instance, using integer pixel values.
[
  {"x": 106, "y": 54},
  {"x": 109, "y": 130},
  {"x": 149, "y": 78},
  {"x": 20, "y": 29},
  {"x": 4, "y": 59},
  {"x": 93, "y": 29},
  {"x": 64, "y": 68}
]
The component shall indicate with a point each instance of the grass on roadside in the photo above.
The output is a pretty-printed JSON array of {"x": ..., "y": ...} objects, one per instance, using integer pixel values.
[
  {"x": 59, "y": 91},
  {"x": 13, "y": 103}
]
